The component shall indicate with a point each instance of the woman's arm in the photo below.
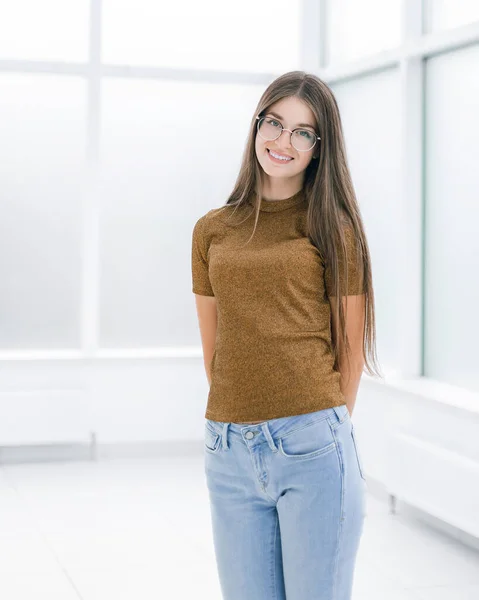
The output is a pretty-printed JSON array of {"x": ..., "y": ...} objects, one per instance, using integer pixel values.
[
  {"x": 351, "y": 373},
  {"x": 207, "y": 319}
]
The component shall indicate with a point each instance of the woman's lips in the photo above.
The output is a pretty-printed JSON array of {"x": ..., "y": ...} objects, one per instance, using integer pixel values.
[{"x": 278, "y": 161}]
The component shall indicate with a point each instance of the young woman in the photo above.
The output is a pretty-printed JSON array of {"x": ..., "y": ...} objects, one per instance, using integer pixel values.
[{"x": 284, "y": 297}]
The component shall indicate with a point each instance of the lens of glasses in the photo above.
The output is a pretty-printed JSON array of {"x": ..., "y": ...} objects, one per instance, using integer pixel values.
[{"x": 270, "y": 129}]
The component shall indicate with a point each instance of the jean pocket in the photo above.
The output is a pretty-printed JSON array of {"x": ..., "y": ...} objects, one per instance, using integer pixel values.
[
  {"x": 356, "y": 451},
  {"x": 211, "y": 439},
  {"x": 307, "y": 442}
]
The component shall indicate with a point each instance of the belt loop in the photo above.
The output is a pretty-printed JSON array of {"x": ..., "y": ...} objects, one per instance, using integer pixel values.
[
  {"x": 267, "y": 434},
  {"x": 224, "y": 437},
  {"x": 339, "y": 410}
]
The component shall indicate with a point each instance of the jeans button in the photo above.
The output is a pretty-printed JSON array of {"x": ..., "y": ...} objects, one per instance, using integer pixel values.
[{"x": 249, "y": 435}]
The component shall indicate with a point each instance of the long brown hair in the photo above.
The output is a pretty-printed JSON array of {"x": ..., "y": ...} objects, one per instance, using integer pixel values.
[{"x": 330, "y": 197}]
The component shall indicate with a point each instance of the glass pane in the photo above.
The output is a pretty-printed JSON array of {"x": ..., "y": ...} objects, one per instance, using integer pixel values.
[
  {"x": 165, "y": 161},
  {"x": 446, "y": 14},
  {"x": 44, "y": 30},
  {"x": 452, "y": 214},
  {"x": 374, "y": 154},
  {"x": 42, "y": 119},
  {"x": 212, "y": 34},
  {"x": 357, "y": 29}
]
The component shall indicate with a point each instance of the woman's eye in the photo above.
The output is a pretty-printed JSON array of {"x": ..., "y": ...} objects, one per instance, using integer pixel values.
[
  {"x": 306, "y": 134},
  {"x": 273, "y": 122}
]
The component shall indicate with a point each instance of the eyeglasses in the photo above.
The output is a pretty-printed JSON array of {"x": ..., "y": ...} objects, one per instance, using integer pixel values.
[{"x": 270, "y": 129}]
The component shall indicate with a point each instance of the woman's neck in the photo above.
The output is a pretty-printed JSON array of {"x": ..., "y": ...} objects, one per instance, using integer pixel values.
[{"x": 278, "y": 189}]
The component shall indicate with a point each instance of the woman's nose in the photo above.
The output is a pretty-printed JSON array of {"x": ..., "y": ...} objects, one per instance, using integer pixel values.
[{"x": 284, "y": 140}]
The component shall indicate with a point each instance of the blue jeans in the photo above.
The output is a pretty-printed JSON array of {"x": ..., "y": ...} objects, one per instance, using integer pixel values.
[{"x": 287, "y": 499}]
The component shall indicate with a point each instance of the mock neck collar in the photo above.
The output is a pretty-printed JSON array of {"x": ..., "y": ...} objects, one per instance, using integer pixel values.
[{"x": 278, "y": 205}]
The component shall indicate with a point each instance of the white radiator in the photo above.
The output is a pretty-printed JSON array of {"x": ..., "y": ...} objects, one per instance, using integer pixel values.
[{"x": 49, "y": 416}]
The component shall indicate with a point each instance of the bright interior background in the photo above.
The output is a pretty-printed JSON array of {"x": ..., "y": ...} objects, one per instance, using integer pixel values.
[
  {"x": 124, "y": 121},
  {"x": 113, "y": 116}
]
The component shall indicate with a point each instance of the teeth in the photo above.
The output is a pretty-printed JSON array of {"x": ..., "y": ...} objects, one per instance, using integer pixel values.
[{"x": 277, "y": 156}]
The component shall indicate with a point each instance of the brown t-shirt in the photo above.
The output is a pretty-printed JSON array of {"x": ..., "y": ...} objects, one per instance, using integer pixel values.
[{"x": 273, "y": 355}]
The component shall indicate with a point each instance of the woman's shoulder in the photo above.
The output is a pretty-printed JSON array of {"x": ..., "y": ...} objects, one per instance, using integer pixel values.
[
  {"x": 219, "y": 217},
  {"x": 215, "y": 214},
  {"x": 348, "y": 229}
]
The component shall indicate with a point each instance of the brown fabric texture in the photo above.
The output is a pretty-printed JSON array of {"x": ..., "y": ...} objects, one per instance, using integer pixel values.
[{"x": 273, "y": 356}]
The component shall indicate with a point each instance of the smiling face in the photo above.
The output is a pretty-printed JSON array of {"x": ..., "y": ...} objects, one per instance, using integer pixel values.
[{"x": 292, "y": 113}]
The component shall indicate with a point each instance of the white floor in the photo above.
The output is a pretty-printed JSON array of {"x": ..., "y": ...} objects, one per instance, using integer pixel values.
[{"x": 139, "y": 530}]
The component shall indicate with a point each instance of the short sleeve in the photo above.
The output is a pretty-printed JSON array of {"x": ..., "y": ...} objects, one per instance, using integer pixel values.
[
  {"x": 199, "y": 264},
  {"x": 353, "y": 267}
]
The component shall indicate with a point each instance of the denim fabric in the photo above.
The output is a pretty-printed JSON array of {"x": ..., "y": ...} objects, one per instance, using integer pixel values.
[{"x": 287, "y": 500}]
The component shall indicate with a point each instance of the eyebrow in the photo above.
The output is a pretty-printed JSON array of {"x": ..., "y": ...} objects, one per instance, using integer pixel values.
[{"x": 298, "y": 125}]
